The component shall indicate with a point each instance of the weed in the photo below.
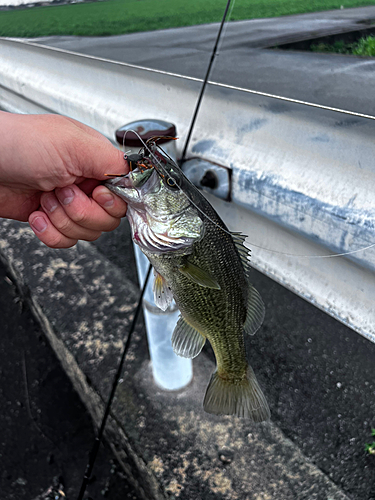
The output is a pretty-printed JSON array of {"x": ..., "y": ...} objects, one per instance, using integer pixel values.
[
  {"x": 364, "y": 47},
  {"x": 370, "y": 447},
  {"x": 338, "y": 47}
]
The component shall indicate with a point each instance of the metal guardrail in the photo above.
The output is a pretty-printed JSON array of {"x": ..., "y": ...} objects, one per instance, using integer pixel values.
[{"x": 302, "y": 178}]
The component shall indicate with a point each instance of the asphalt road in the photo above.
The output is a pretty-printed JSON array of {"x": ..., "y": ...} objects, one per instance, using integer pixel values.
[{"x": 244, "y": 59}]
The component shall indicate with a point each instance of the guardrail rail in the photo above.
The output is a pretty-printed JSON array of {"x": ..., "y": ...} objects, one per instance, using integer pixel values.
[{"x": 301, "y": 178}]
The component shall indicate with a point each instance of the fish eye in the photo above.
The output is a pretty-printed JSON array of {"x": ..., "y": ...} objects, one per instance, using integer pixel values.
[{"x": 171, "y": 182}]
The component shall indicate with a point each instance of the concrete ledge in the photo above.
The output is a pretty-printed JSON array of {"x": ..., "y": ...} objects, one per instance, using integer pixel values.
[{"x": 167, "y": 445}]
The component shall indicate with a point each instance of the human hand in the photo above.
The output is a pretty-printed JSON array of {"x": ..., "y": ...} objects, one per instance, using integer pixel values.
[{"x": 51, "y": 168}]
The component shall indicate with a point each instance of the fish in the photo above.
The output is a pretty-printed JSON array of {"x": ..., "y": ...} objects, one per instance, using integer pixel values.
[{"x": 204, "y": 267}]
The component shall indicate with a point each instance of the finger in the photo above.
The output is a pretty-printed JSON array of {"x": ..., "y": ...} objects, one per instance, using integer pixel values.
[
  {"x": 88, "y": 185},
  {"x": 47, "y": 233},
  {"x": 106, "y": 160},
  {"x": 112, "y": 204},
  {"x": 85, "y": 211},
  {"x": 63, "y": 223},
  {"x": 83, "y": 127},
  {"x": 16, "y": 204}
]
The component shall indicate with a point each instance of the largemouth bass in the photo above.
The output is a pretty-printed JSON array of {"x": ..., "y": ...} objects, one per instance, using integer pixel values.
[{"x": 204, "y": 267}]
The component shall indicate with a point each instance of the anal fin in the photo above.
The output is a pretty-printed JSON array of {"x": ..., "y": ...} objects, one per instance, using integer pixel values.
[
  {"x": 255, "y": 311},
  {"x": 186, "y": 340}
]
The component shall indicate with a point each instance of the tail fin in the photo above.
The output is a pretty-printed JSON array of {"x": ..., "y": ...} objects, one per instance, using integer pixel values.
[{"x": 243, "y": 398}]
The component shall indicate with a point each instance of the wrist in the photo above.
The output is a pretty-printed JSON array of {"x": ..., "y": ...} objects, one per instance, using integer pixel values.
[{"x": 8, "y": 144}]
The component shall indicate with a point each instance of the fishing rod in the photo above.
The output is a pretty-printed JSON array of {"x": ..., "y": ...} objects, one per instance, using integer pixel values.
[
  {"x": 205, "y": 81},
  {"x": 95, "y": 448},
  {"x": 99, "y": 437}
]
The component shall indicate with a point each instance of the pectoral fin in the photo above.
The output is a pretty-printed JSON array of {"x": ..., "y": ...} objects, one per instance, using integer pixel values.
[
  {"x": 255, "y": 311},
  {"x": 186, "y": 340},
  {"x": 198, "y": 275},
  {"x": 162, "y": 293}
]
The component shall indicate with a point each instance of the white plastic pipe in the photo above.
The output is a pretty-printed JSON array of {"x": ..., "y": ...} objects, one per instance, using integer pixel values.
[{"x": 170, "y": 371}]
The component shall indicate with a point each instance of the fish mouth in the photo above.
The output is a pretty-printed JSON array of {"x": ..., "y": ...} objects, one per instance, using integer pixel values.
[
  {"x": 133, "y": 185},
  {"x": 123, "y": 182},
  {"x": 128, "y": 194}
]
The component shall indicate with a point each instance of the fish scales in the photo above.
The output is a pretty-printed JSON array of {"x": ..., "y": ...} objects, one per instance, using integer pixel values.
[
  {"x": 198, "y": 263},
  {"x": 218, "y": 314}
]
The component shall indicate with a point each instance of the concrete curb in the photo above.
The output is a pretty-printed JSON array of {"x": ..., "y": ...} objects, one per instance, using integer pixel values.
[
  {"x": 166, "y": 444},
  {"x": 70, "y": 294}
]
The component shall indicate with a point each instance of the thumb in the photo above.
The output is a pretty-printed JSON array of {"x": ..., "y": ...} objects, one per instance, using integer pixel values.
[{"x": 97, "y": 157}]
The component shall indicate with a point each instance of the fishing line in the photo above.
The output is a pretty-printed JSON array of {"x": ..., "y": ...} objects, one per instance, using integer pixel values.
[
  {"x": 329, "y": 256},
  {"x": 223, "y": 35},
  {"x": 159, "y": 165},
  {"x": 314, "y": 256},
  {"x": 276, "y": 251},
  {"x": 99, "y": 437}
]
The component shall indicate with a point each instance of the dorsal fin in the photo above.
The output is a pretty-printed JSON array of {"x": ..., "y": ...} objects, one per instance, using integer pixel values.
[
  {"x": 255, "y": 306},
  {"x": 244, "y": 252}
]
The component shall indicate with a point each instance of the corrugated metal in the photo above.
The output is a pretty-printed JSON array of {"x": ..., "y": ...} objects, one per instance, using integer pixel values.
[{"x": 302, "y": 178}]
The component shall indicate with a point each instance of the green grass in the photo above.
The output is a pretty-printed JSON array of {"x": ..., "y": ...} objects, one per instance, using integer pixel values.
[
  {"x": 370, "y": 447},
  {"x": 114, "y": 17},
  {"x": 338, "y": 47},
  {"x": 364, "y": 47}
]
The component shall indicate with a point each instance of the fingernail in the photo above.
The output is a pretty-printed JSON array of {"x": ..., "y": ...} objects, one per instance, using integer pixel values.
[
  {"x": 50, "y": 203},
  {"x": 106, "y": 200},
  {"x": 39, "y": 224},
  {"x": 65, "y": 195}
]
